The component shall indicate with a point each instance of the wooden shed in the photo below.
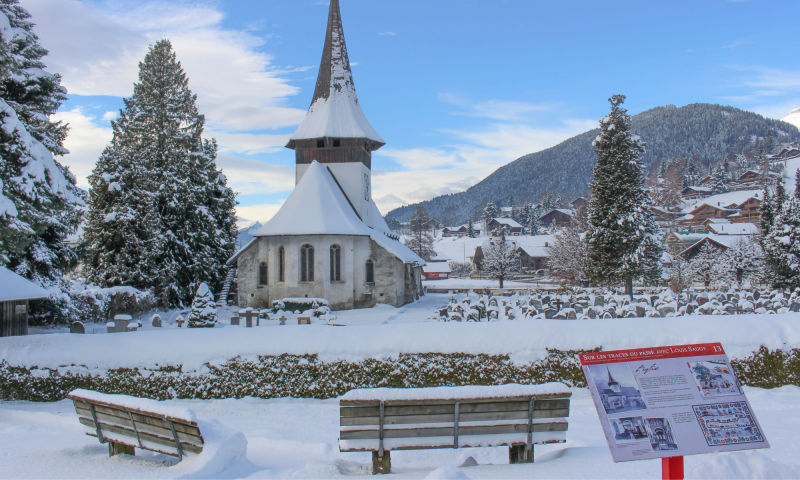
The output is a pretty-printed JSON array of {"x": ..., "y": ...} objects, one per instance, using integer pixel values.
[{"x": 15, "y": 292}]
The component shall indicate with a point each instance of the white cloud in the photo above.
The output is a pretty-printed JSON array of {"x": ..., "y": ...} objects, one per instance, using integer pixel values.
[
  {"x": 493, "y": 109},
  {"x": 247, "y": 176},
  {"x": 97, "y": 50},
  {"x": 430, "y": 172},
  {"x": 257, "y": 213},
  {"x": 86, "y": 141},
  {"x": 108, "y": 116}
]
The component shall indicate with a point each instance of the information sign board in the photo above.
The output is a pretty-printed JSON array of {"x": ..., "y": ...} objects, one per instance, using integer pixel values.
[{"x": 670, "y": 401}]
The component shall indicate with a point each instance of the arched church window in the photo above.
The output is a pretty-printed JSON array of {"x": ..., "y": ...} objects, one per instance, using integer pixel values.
[
  {"x": 336, "y": 263},
  {"x": 370, "y": 272},
  {"x": 307, "y": 263},
  {"x": 262, "y": 273},
  {"x": 281, "y": 265}
]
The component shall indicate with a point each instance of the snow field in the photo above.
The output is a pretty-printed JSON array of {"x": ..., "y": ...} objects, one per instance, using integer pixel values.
[
  {"x": 525, "y": 340},
  {"x": 297, "y": 438}
]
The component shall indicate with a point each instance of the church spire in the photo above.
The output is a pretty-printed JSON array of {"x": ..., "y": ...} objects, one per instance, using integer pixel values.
[{"x": 335, "y": 111}]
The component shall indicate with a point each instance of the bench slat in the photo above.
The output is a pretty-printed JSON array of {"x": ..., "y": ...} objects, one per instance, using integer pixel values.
[
  {"x": 449, "y": 431},
  {"x": 143, "y": 427},
  {"x": 444, "y": 445},
  {"x": 134, "y": 410},
  {"x": 525, "y": 398},
  {"x": 181, "y": 427},
  {"x": 423, "y": 408},
  {"x": 144, "y": 436},
  {"x": 445, "y": 418}
]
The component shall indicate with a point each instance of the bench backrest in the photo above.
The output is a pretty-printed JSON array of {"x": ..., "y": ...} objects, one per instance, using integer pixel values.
[
  {"x": 138, "y": 428},
  {"x": 371, "y": 425}
]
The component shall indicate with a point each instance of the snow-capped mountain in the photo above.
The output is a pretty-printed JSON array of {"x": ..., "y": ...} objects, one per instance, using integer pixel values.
[{"x": 793, "y": 117}]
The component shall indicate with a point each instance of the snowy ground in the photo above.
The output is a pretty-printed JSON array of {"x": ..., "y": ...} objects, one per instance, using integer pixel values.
[{"x": 297, "y": 438}]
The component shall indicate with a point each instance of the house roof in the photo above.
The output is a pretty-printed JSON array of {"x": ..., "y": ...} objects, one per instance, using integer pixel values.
[
  {"x": 734, "y": 229},
  {"x": 14, "y": 287},
  {"x": 318, "y": 206},
  {"x": 508, "y": 222},
  {"x": 436, "y": 267},
  {"x": 533, "y": 245},
  {"x": 723, "y": 199},
  {"x": 335, "y": 110}
]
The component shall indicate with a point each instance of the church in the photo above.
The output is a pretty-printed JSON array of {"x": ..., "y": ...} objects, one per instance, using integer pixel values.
[{"x": 329, "y": 240}]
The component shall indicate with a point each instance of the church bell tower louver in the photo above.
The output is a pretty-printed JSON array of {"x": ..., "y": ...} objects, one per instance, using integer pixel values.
[{"x": 335, "y": 131}]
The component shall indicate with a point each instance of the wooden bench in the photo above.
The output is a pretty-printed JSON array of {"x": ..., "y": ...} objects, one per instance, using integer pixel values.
[
  {"x": 149, "y": 425},
  {"x": 518, "y": 416}
]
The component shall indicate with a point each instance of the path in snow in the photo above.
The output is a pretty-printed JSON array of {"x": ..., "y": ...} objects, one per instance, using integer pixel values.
[{"x": 298, "y": 438}]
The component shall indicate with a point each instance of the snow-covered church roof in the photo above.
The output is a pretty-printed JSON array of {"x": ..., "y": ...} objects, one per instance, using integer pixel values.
[
  {"x": 335, "y": 110},
  {"x": 318, "y": 206},
  {"x": 14, "y": 287}
]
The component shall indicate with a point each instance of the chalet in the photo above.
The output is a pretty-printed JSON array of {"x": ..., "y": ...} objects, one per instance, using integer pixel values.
[
  {"x": 693, "y": 192},
  {"x": 789, "y": 152},
  {"x": 15, "y": 294},
  {"x": 329, "y": 240},
  {"x": 693, "y": 250},
  {"x": 704, "y": 212},
  {"x": 705, "y": 182},
  {"x": 580, "y": 202},
  {"x": 662, "y": 214},
  {"x": 560, "y": 217},
  {"x": 679, "y": 242},
  {"x": 436, "y": 270},
  {"x": 749, "y": 211},
  {"x": 511, "y": 226},
  {"x": 461, "y": 231},
  {"x": 750, "y": 176},
  {"x": 533, "y": 251}
]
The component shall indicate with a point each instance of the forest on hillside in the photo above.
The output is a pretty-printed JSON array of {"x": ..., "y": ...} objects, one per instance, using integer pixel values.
[{"x": 707, "y": 133}]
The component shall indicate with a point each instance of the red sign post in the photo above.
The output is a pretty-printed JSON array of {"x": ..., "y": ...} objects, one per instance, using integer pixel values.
[{"x": 667, "y": 402}]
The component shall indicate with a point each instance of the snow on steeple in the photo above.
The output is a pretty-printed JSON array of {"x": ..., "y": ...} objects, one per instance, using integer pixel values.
[{"x": 335, "y": 111}]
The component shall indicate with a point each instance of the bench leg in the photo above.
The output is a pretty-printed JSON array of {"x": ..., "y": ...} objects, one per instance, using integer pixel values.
[
  {"x": 518, "y": 454},
  {"x": 381, "y": 465},
  {"x": 117, "y": 448}
]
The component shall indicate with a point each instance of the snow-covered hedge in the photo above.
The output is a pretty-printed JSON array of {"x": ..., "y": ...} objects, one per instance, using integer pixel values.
[
  {"x": 308, "y": 376},
  {"x": 298, "y": 303}
]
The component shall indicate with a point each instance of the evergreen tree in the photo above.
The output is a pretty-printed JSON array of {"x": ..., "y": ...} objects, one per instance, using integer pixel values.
[
  {"x": 622, "y": 230},
  {"x": 525, "y": 216},
  {"x": 719, "y": 181},
  {"x": 692, "y": 173},
  {"x": 512, "y": 208},
  {"x": 420, "y": 240},
  {"x": 471, "y": 229},
  {"x": 39, "y": 202},
  {"x": 489, "y": 213},
  {"x": 782, "y": 243},
  {"x": 204, "y": 311},
  {"x": 534, "y": 226},
  {"x": 190, "y": 232}
]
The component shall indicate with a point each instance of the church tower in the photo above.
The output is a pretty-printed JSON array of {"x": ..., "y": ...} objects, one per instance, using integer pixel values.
[{"x": 335, "y": 131}]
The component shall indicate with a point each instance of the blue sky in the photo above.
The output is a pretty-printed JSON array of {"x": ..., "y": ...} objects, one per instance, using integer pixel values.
[{"x": 457, "y": 88}]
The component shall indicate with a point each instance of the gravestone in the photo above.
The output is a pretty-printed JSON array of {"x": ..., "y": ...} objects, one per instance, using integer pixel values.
[
  {"x": 795, "y": 307},
  {"x": 157, "y": 321},
  {"x": 180, "y": 320},
  {"x": 283, "y": 320},
  {"x": 121, "y": 322},
  {"x": 549, "y": 313},
  {"x": 304, "y": 320},
  {"x": 77, "y": 327},
  {"x": 235, "y": 320},
  {"x": 249, "y": 316},
  {"x": 111, "y": 327}
]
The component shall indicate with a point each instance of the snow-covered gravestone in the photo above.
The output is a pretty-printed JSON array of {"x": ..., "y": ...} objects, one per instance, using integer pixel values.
[
  {"x": 204, "y": 310},
  {"x": 156, "y": 320},
  {"x": 77, "y": 327}
]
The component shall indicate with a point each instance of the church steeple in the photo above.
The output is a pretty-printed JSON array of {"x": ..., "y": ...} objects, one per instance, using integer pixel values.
[{"x": 335, "y": 131}]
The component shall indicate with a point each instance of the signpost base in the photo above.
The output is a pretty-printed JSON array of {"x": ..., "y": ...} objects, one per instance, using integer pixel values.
[{"x": 672, "y": 468}]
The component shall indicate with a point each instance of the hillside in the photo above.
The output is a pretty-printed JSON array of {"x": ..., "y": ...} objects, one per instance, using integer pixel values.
[{"x": 709, "y": 132}]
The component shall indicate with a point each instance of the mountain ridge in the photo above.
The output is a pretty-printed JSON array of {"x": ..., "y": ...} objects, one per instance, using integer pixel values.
[{"x": 707, "y": 132}]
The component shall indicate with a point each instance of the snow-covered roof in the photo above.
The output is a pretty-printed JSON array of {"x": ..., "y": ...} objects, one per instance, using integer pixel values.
[
  {"x": 318, "y": 206},
  {"x": 722, "y": 200},
  {"x": 14, "y": 287},
  {"x": 727, "y": 240},
  {"x": 439, "y": 257},
  {"x": 458, "y": 248},
  {"x": 735, "y": 229},
  {"x": 436, "y": 267},
  {"x": 335, "y": 110},
  {"x": 698, "y": 188},
  {"x": 508, "y": 222},
  {"x": 533, "y": 245}
]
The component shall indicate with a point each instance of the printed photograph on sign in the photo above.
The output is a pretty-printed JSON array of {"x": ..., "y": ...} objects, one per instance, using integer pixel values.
[
  {"x": 727, "y": 423},
  {"x": 660, "y": 433},
  {"x": 617, "y": 388},
  {"x": 714, "y": 378},
  {"x": 628, "y": 429}
]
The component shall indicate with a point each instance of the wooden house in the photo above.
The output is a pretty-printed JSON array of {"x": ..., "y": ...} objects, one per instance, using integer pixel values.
[
  {"x": 693, "y": 192},
  {"x": 580, "y": 202},
  {"x": 560, "y": 216},
  {"x": 511, "y": 226},
  {"x": 15, "y": 293}
]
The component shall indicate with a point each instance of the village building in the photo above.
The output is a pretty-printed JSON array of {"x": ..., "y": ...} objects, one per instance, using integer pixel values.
[
  {"x": 742, "y": 206},
  {"x": 558, "y": 217},
  {"x": 15, "y": 295},
  {"x": 580, "y": 202},
  {"x": 692, "y": 192},
  {"x": 329, "y": 240},
  {"x": 533, "y": 250},
  {"x": 511, "y": 226},
  {"x": 461, "y": 231}
]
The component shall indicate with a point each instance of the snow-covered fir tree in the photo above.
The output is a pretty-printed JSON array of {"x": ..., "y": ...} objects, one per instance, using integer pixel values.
[
  {"x": 781, "y": 242},
  {"x": 190, "y": 232},
  {"x": 525, "y": 215},
  {"x": 471, "y": 229},
  {"x": 622, "y": 231},
  {"x": 491, "y": 211},
  {"x": 500, "y": 258},
  {"x": 719, "y": 180},
  {"x": 39, "y": 202},
  {"x": 512, "y": 208},
  {"x": 534, "y": 225},
  {"x": 419, "y": 239},
  {"x": 692, "y": 173},
  {"x": 204, "y": 310}
]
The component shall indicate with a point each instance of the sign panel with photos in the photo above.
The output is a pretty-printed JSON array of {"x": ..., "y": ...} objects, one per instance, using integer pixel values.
[{"x": 670, "y": 401}]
